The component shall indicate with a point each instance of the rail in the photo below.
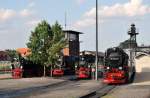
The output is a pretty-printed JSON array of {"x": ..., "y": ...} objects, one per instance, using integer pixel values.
[{"x": 99, "y": 92}]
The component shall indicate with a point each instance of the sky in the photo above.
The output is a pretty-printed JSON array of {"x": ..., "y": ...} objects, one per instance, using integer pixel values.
[{"x": 19, "y": 17}]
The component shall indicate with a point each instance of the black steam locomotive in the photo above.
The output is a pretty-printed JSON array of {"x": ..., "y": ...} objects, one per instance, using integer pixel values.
[{"x": 117, "y": 66}]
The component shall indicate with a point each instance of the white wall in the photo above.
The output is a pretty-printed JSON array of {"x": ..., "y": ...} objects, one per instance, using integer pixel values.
[{"x": 143, "y": 64}]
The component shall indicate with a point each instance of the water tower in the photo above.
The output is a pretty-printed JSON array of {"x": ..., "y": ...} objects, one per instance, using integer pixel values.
[{"x": 133, "y": 33}]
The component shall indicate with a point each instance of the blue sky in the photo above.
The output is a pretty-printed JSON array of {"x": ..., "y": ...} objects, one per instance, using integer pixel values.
[{"x": 19, "y": 17}]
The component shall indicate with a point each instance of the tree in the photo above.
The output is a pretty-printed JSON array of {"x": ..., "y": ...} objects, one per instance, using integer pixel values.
[
  {"x": 12, "y": 53},
  {"x": 58, "y": 43},
  {"x": 46, "y": 43},
  {"x": 39, "y": 42}
]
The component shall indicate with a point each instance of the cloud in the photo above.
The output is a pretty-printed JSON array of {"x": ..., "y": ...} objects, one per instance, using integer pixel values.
[
  {"x": 6, "y": 14},
  {"x": 31, "y": 4},
  {"x": 80, "y": 1},
  {"x": 26, "y": 12},
  {"x": 129, "y": 9},
  {"x": 10, "y": 19},
  {"x": 33, "y": 23},
  {"x": 84, "y": 23}
]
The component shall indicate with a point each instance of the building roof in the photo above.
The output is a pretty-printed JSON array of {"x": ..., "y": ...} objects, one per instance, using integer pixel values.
[
  {"x": 4, "y": 56},
  {"x": 3, "y": 53},
  {"x": 24, "y": 51},
  {"x": 148, "y": 47},
  {"x": 93, "y": 53},
  {"x": 71, "y": 31}
]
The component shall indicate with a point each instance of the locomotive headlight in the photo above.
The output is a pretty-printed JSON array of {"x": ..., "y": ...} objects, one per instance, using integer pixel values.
[
  {"x": 120, "y": 68},
  {"x": 108, "y": 68}
]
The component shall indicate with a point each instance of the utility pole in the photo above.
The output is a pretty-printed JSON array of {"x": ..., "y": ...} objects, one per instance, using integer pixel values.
[{"x": 96, "y": 60}]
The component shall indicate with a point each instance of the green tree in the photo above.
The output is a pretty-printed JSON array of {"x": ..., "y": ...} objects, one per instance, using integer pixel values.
[
  {"x": 12, "y": 53},
  {"x": 58, "y": 43},
  {"x": 39, "y": 42},
  {"x": 46, "y": 43}
]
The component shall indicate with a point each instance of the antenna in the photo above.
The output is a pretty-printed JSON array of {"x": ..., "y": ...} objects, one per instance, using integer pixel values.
[{"x": 65, "y": 20}]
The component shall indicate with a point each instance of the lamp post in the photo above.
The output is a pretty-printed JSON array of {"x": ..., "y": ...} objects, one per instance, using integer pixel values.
[{"x": 96, "y": 61}]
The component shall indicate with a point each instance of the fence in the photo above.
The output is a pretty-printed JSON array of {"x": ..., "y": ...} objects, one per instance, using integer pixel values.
[{"x": 5, "y": 70}]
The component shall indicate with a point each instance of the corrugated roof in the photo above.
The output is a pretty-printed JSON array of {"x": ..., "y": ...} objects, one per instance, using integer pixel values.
[
  {"x": 72, "y": 31},
  {"x": 93, "y": 53}
]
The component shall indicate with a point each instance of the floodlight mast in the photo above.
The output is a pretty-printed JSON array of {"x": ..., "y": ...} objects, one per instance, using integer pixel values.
[{"x": 96, "y": 60}]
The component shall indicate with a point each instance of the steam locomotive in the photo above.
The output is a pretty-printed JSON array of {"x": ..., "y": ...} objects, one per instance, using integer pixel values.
[
  {"x": 118, "y": 67},
  {"x": 83, "y": 69}
]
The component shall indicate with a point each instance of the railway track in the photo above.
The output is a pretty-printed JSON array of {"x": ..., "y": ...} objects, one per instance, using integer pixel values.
[
  {"x": 99, "y": 92},
  {"x": 57, "y": 87},
  {"x": 26, "y": 92}
]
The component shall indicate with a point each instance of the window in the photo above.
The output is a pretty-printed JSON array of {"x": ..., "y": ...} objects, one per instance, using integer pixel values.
[{"x": 72, "y": 36}]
